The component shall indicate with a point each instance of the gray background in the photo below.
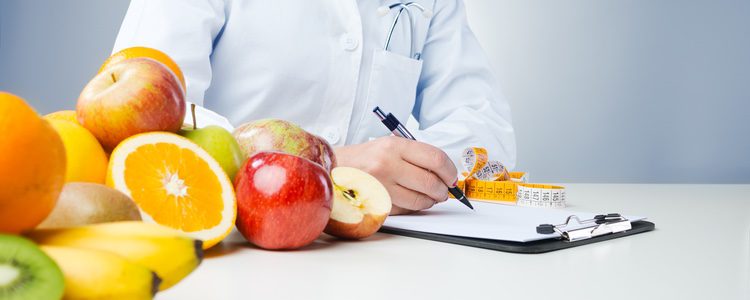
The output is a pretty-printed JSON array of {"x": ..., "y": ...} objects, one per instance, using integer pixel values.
[{"x": 601, "y": 91}]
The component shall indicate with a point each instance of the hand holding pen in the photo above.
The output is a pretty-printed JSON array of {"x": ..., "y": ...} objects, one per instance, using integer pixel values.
[
  {"x": 398, "y": 129},
  {"x": 414, "y": 173}
]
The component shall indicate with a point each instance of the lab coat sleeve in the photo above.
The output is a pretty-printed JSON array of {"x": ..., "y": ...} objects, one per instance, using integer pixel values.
[
  {"x": 183, "y": 29},
  {"x": 458, "y": 102}
]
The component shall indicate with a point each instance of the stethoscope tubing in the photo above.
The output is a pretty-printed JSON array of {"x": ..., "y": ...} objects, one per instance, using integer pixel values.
[{"x": 404, "y": 7}]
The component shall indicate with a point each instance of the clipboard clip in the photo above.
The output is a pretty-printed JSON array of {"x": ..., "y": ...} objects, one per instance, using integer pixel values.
[{"x": 596, "y": 226}]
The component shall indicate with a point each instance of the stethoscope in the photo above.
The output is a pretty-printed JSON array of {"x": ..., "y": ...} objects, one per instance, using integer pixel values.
[{"x": 404, "y": 7}]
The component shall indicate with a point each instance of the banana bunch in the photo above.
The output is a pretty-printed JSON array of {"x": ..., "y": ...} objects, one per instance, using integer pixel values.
[{"x": 119, "y": 260}]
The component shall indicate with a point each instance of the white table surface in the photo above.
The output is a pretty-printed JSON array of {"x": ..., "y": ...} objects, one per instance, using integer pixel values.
[{"x": 699, "y": 250}]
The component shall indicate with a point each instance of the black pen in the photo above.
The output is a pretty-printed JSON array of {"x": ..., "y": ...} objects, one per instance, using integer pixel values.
[{"x": 400, "y": 130}]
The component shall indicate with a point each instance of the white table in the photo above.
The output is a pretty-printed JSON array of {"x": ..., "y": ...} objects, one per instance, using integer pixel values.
[{"x": 699, "y": 250}]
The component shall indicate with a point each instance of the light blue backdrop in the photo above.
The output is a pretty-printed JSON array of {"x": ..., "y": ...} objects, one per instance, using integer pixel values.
[{"x": 601, "y": 91}]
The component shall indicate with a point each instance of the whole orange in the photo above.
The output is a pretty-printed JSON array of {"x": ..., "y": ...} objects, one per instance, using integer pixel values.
[
  {"x": 32, "y": 166},
  {"x": 135, "y": 52},
  {"x": 66, "y": 115},
  {"x": 85, "y": 159}
]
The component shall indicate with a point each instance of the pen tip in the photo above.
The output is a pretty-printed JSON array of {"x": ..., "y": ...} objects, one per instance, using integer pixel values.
[{"x": 466, "y": 202}]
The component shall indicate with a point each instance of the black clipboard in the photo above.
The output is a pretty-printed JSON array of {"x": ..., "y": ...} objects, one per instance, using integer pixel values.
[{"x": 534, "y": 247}]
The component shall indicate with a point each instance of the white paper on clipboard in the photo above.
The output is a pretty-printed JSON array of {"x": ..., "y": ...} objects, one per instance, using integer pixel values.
[{"x": 488, "y": 220}]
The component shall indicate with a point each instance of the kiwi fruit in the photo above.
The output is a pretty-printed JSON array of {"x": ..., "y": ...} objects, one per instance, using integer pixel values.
[
  {"x": 83, "y": 203},
  {"x": 26, "y": 272}
]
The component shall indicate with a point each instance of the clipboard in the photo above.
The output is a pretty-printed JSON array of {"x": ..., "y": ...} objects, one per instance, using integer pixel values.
[
  {"x": 535, "y": 247},
  {"x": 527, "y": 229}
]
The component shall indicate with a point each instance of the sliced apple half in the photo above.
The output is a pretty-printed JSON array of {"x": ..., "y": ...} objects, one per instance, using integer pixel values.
[{"x": 360, "y": 204}]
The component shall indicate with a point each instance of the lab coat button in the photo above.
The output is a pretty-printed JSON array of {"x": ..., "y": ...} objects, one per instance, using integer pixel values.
[
  {"x": 348, "y": 42},
  {"x": 331, "y": 135}
]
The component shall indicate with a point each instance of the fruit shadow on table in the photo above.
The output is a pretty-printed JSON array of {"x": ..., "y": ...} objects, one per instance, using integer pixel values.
[{"x": 235, "y": 242}]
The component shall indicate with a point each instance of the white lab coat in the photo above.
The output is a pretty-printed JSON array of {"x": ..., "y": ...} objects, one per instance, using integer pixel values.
[{"x": 320, "y": 64}]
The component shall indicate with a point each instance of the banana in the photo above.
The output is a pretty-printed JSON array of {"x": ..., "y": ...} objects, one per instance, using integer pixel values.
[
  {"x": 94, "y": 274},
  {"x": 169, "y": 253}
]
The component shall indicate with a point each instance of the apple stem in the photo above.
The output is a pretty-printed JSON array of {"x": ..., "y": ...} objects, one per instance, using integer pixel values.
[
  {"x": 113, "y": 77},
  {"x": 192, "y": 111}
]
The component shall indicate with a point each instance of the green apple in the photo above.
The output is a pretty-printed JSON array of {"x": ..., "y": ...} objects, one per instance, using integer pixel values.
[{"x": 220, "y": 144}]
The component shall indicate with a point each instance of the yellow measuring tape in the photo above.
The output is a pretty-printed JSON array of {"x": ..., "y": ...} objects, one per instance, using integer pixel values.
[{"x": 487, "y": 180}]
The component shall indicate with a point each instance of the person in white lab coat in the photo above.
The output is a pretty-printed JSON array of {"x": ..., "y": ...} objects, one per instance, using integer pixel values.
[{"x": 321, "y": 64}]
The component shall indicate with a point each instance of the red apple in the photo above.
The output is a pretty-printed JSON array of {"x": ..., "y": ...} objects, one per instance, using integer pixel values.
[
  {"x": 284, "y": 136},
  {"x": 133, "y": 96},
  {"x": 283, "y": 200}
]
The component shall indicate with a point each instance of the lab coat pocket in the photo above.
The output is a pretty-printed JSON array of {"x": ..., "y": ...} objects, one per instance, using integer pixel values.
[{"x": 393, "y": 83}]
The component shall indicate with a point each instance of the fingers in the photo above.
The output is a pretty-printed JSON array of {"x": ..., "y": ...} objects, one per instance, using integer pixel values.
[
  {"x": 430, "y": 158},
  {"x": 415, "y": 174},
  {"x": 409, "y": 199},
  {"x": 422, "y": 181},
  {"x": 395, "y": 210}
]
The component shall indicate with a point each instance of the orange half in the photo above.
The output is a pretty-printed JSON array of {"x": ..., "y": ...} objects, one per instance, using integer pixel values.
[{"x": 175, "y": 183}]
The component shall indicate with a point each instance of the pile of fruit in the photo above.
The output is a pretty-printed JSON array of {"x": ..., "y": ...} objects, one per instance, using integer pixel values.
[{"x": 119, "y": 198}]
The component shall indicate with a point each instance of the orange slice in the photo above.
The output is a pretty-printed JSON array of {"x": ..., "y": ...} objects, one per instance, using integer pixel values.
[{"x": 175, "y": 183}]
